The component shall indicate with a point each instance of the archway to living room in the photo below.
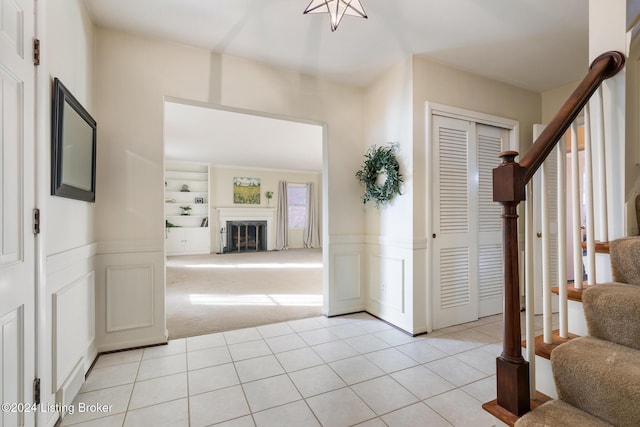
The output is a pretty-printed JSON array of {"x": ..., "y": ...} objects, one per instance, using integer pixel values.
[{"x": 243, "y": 218}]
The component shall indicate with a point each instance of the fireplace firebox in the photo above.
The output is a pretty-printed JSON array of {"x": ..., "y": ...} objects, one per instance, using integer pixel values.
[{"x": 246, "y": 236}]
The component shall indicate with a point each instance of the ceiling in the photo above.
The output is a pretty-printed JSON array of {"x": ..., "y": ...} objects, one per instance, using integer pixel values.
[
  {"x": 240, "y": 139},
  {"x": 534, "y": 44}
]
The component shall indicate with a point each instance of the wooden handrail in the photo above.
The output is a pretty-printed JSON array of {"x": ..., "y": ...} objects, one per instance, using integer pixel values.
[
  {"x": 603, "y": 67},
  {"x": 509, "y": 181}
]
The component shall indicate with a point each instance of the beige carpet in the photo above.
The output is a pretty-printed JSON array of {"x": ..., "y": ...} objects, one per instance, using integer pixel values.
[{"x": 212, "y": 293}]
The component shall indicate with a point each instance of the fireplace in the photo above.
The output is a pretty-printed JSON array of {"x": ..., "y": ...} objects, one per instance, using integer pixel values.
[{"x": 246, "y": 236}]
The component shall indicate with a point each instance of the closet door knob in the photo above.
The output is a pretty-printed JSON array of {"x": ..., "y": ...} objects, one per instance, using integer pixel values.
[{"x": 433, "y": 235}]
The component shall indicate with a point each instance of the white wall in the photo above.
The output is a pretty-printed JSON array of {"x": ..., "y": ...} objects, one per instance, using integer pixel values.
[
  {"x": 222, "y": 194},
  {"x": 67, "y": 241},
  {"x": 68, "y": 50},
  {"x": 607, "y": 31}
]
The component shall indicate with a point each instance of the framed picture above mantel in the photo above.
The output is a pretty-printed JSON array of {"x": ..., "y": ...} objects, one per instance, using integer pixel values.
[{"x": 246, "y": 191}]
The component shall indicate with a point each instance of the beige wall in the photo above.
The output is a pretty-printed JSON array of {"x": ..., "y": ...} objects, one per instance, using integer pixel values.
[
  {"x": 395, "y": 111},
  {"x": 553, "y": 99},
  {"x": 132, "y": 75},
  {"x": 437, "y": 83},
  {"x": 392, "y": 291},
  {"x": 222, "y": 194},
  {"x": 388, "y": 104},
  {"x": 255, "y": 86}
]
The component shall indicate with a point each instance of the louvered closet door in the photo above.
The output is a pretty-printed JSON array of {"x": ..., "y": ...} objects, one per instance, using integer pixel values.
[
  {"x": 455, "y": 239},
  {"x": 491, "y": 141}
]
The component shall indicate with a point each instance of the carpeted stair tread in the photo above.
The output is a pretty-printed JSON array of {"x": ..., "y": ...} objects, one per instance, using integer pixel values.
[
  {"x": 625, "y": 254},
  {"x": 559, "y": 413},
  {"x": 599, "y": 377},
  {"x": 612, "y": 312}
]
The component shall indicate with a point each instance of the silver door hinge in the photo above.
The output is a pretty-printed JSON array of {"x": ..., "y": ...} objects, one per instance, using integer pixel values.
[
  {"x": 36, "y": 221},
  {"x": 36, "y": 391},
  {"x": 36, "y": 51}
]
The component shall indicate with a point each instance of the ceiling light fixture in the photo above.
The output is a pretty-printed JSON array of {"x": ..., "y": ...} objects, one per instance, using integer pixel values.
[{"x": 336, "y": 10}]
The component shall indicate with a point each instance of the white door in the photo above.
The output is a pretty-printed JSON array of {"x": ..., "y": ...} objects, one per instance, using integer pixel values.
[
  {"x": 455, "y": 241},
  {"x": 467, "y": 231},
  {"x": 17, "y": 283},
  {"x": 491, "y": 141}
]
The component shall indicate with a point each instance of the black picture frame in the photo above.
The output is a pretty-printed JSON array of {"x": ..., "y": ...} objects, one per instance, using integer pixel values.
[{"x": 73, "y": 147}]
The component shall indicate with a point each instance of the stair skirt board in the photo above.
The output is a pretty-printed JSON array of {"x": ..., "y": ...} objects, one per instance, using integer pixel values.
[
  {"x": 576, "y": 320},
  {"x": 544, "y": 377}
]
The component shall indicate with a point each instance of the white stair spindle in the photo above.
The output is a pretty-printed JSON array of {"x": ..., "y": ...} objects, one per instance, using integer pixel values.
[
  {"x": 588, "y": 183},
  {"x": 562, "y": 239},
  {"x": 602, "y": 175},
  {"x": 530, "y": 312},
  {"x": 576, "y": 217},
  {"x": 546, "y": 258}
]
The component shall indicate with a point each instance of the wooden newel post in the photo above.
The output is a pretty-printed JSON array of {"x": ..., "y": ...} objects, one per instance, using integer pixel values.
[{"x": 512, "y": 370}]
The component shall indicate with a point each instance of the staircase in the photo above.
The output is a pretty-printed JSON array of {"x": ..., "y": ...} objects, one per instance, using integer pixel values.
[
  {"x": 586, "y": 370},
  {"x": 598, "y": 376}
]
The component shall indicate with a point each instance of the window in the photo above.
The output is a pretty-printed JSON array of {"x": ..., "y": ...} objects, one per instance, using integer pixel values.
[{"x": 297, "y": 201}]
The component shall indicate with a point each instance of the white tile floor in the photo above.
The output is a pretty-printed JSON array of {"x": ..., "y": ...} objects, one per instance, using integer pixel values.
[{"x": 350, "y": 370}]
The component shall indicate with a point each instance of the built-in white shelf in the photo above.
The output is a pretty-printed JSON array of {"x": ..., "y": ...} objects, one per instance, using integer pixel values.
[{"x": 190, "y": 234}]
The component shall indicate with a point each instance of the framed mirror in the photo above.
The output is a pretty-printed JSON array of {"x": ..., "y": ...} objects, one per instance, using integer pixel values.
[{"x": 73, "y": 147}]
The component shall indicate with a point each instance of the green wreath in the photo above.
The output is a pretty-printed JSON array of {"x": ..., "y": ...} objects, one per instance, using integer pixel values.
[{"x": 378, "y": 162}]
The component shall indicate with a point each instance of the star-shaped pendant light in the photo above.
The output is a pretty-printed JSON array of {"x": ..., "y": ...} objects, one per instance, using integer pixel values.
[{"x": 336, "y": 10}]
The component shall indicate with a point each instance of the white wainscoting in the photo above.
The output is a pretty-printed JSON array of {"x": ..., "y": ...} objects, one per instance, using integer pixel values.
[
  {"x": 70, "y": 349},
  {"x": 387, "y": 285},
  {"x": 129, "y": 291},
  {"x": 344, "y": 274},
  {"x": 11, "y": 357},
  {"x": 130, "y": 294},
  {"x": 396, "y": 291},
  {"x": 73, "y": 315}
]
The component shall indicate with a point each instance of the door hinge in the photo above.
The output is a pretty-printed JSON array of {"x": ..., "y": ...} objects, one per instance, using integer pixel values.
[
  {"x": 36, "y": 51},
  {"x": 36, "y": 221},
  {"x": 36, "y": 391}
]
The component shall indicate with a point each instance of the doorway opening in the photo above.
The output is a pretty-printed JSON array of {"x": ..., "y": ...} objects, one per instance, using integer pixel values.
[{"x": 235, "y": 278}]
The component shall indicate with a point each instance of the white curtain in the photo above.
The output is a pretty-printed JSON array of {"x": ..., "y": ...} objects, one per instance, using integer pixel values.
[
  {"x": 310, "y": 238},
  {"x": 282, "y": 220}
]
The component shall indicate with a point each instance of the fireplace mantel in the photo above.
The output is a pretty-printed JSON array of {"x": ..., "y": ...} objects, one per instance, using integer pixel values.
[{"x": 249, "y": 214}]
